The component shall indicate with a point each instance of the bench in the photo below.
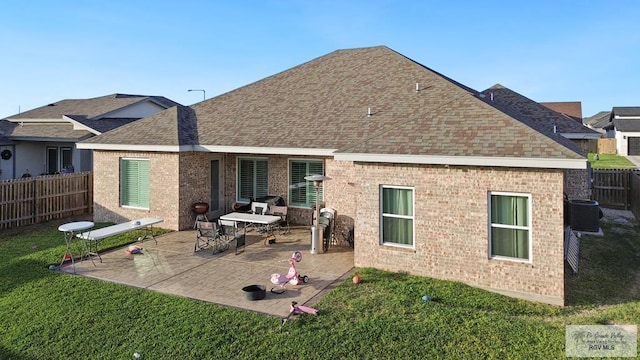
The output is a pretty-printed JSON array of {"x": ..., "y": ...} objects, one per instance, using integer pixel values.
[{"x": 93, "y": 237}]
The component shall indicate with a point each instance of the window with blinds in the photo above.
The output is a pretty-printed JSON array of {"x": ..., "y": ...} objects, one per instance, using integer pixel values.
[
  {"x": 253, "y": 174},
  {"x": 397, "y": 215},
  {"x": 510, "y": 226},
  {"x": 134, "y": 183},
  {"x": 301, "y": 191}
]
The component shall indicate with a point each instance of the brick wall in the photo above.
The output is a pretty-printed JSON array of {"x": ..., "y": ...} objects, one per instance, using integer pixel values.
[
  {"x": 451, "y": 227},
  {"x": 451, "y": 213},
  {"x": 278, "y": 183},
  {"x": 577, "y": 184},
  {"x": 164, "y": 187}
]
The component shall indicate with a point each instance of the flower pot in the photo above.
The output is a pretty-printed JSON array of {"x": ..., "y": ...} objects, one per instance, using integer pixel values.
[{"x": 356, "y": 279}]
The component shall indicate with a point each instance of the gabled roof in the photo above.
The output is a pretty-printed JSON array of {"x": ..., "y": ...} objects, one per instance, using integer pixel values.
[
  {"x": 541, "y": 117},
  {"x": 627, "y": 125},
  {"x": 77, "y": 119},
  {"x": 572, "y": 109},
  {"x": 90, "y": 108},
  {"x": 175, "y": 126},
  {"x": 103, "y": 124},
  {"x": 598, "y": 121},
  {"x": 47, "y": 132},
  {"x": 367, "y": 103},
  {"x": 625, "y": 111}
]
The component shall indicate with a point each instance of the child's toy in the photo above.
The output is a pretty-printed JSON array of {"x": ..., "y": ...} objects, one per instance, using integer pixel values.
[
  {"x": 292, "y": 276},
  {"x": 134, "y": 249},
  {"x": 301, "y": 309}
]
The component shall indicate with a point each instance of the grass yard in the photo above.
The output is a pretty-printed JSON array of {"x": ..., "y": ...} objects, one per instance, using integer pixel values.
[
  {"x": 48, "y": 315},
  {"x": 610, "y": 161}
]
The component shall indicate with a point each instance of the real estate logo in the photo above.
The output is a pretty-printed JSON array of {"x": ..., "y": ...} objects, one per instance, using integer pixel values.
[{"x": 601, "y": 340}]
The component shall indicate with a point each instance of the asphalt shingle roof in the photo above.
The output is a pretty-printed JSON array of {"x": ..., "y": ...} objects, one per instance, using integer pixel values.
[
  {"x": 323, "y": 104},
  {"x": 628, "y": 125},
  {"x": 599, "y": 120},
  {"x": 90, "y": 108},
  {"x": 625, "y": 111}
]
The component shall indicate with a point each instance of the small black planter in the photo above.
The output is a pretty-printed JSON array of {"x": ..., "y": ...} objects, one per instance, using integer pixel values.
[{"x": 254, "y": 292}]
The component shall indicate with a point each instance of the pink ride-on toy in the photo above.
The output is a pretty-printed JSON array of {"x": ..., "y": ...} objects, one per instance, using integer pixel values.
[{"x": 292, "y": 277}]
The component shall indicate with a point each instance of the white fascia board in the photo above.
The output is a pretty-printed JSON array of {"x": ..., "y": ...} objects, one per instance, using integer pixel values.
[
  {"x": 80, "y": 126},
  {"x": 44, "y": 139},
  {"x": 467, "y": 161},
  {"x": 58, "y": 120},
  {"x": 212, "y": 149},
  {"x": 129, "y": 147},
  {"x": 264, "y": 150},
  {"x": 574, "y": 136}
]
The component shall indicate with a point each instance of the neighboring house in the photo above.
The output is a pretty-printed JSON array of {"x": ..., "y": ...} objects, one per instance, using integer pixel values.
[
  {"x": 624, "y": 121},
  {"x": 436, "y": 179},
  {"x": 572, "y": 109},
  {"x": 42, "y": 140},
  {"x": 599, "y": 122},
  {"x": 544, "y": 116}
]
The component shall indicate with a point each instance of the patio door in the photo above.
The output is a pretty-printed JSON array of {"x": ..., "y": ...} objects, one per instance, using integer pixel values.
[{"x": 216, "y": 201}]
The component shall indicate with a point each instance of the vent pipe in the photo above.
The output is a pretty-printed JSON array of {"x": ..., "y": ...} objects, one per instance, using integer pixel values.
[{"x": 369, "y": 112}]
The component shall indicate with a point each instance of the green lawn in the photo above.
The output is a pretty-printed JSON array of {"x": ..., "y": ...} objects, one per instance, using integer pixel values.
[
  {"x": 48, "y": 315},
  {"x": 610, "y": 161}
]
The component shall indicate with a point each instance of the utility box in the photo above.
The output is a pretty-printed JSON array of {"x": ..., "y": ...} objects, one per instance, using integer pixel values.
[{"x": 585, "y": 215}]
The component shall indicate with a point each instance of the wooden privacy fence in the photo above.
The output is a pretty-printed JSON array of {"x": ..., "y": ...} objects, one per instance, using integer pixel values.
[
  {"x": 606, "y": 146},
  {"x": 36, "y": 199},
  {"x": 614, "y": 188},
  {"x": 635, "y": 194}
]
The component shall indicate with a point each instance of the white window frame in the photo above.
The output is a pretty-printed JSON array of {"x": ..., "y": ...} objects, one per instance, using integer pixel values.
[
  {"x": 238, "y": 179},
  {"x": 62, "y": 164},
  {"x": 122, "y": 184},
  {"x": 58, "y": 153},
  {"x": 529, "y": 227},
  {"x": 310, "y": 188},
  {"x": 409, "y": 217}
]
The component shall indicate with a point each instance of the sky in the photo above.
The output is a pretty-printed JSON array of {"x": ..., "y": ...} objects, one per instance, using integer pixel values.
[{"x": 587, "y": 51}]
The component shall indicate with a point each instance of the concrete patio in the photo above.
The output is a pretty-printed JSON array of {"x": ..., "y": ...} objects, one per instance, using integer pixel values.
[{"x": 172, "y": 267}]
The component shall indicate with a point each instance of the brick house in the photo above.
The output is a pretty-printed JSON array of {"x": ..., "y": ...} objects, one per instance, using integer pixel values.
[{"x": 436, "y": 179}]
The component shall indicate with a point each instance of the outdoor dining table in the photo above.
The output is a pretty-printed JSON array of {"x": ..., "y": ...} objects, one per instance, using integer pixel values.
[
  {"x": 69, "y": 230},
  {"x": 249, "y": 218}
]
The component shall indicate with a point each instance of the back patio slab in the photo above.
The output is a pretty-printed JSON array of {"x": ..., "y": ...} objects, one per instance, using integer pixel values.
[{"x": 172, "y": 267}]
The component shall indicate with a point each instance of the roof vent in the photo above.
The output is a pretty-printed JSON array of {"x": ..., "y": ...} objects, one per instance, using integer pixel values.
[
  {"x": 417, "y": 87},
  {"x": 52, "y": 104},
  {"x": 491, "y": 96},
  {"x": 369, "y": 113}
]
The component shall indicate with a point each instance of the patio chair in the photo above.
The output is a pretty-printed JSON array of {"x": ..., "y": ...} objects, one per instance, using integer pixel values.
[
  {"x": 206, "y": 234},
  {"x": 260, "y": 209},
  {"x": 283, "y": 225},
  {"x": 229, "y": 231},
  {"x": 210, "y": 234}
]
